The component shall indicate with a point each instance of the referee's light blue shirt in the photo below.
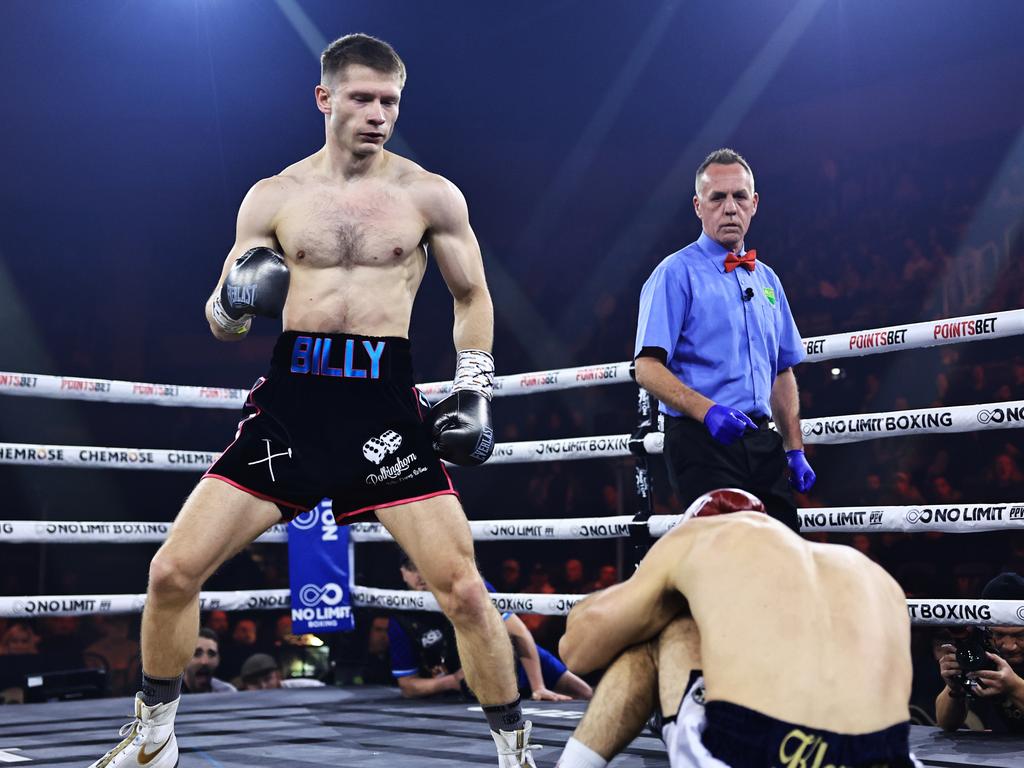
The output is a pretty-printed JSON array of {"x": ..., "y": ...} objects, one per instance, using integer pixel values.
[{"x": 728, "y": 349}]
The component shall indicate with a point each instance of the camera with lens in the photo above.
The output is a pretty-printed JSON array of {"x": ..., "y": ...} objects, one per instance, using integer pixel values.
[{"x": 971, "y": 655}]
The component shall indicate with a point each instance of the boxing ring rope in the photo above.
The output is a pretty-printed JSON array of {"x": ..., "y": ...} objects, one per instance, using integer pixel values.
[
  {"x": 946, "y": 518},
  {"x": 1002, "y": 613},
  {"x": 931, "y": 333},
  {"x": 645, "y": 441},
  {"x": 962, "y": 518},
  {"x": 823, "y": 431}
]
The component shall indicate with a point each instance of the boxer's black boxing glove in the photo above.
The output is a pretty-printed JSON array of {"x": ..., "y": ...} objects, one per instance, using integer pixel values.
[
  {"x": 257, "y": 284},
  {"x": 462, "y": 428},
  {"x": 461, "y": 423}
]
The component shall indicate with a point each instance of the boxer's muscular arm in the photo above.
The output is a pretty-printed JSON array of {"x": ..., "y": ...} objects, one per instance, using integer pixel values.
[
  {"x": 413, "y": 687},
  {"x": 785, "y": 402},
  {"x": 526, "y": 649},
  {"x": 255, "y": 227},
  {"x": 603, "y": 625},
  {"x": 652, "y": 375},
  {"x": 454, "y": 245}
]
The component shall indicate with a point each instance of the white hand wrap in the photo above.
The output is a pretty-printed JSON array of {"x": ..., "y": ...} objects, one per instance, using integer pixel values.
[
  {"x": 228, "y": 323},
  {"x": 475, "y": 371}
]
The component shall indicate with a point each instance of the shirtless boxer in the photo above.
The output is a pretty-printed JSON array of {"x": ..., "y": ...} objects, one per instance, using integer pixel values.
[
  {"x": 337, "y": 244},
  {"x": 764, "y": 649}
]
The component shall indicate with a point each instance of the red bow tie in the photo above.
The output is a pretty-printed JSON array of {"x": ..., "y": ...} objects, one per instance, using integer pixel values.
[{"x": 746, "y": 261}]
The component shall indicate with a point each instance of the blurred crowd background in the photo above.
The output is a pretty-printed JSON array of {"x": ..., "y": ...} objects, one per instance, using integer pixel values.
[{"x": 891, "y": 174}]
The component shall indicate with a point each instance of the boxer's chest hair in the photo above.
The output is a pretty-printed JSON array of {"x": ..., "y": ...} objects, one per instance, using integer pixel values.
[{"x": 337, "y": 229}]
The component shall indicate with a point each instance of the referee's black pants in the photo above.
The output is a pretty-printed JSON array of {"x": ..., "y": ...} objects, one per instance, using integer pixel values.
[{"x": 697, "y": 463}]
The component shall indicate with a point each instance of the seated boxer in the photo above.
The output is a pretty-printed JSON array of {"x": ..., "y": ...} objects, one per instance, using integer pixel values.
[{"x": 764, "y": 649}]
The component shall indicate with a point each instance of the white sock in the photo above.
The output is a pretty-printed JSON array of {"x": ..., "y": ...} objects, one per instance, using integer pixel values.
[{"x": 578, "y": 755}]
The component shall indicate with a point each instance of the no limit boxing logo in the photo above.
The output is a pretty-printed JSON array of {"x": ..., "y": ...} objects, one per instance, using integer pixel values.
[
  {"x": 951, "y": 514},
  {"x": 1001, "y": 416},
  {"x": 330, "y": 594}
]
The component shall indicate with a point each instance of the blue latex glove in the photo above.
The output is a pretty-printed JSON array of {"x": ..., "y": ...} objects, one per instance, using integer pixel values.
[
  {"x": 801, "y": 476},
  {"x": 727, "y": 425}
]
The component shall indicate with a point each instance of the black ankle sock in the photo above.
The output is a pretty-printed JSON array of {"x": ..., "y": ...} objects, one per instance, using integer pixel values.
[
  {"x": 505, "y": 717},
  {"x": 160, "y": 690}
]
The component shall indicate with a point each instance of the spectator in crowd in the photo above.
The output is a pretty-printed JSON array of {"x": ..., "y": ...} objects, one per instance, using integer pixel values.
[
  {"x": 573, "y": 582},
  {"x": 116, "y": 651},
  {"x": 19, "y": 639},
  {"x": 606, "y": 577},
  {"x": 944, "y": 492},
  {"x": 260, "y": 673},
  {"x": 969, "y": 579},
  {"x": 242, "y": 645},
  {"x": 218, "y": 622},
  {"x": 376, "y": 664},
  {"x": 199, "y": 676},
  {"x": 424, "y": 657},
  {"x": 904, "y": 492},
  {"x": 283, "y": 631},
  {"x": 511, "y": 578},
  {"x": 995, "y": 695},
  {"x": 539, "y": 584},
  {"x": 1005, "y": 475}
]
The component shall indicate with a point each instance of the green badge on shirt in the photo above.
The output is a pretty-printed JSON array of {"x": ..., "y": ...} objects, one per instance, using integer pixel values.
[{"x": 769, "y": 293}]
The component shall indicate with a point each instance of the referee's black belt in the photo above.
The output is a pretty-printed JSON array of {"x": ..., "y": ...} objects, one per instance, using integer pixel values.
[{"x": 760, "y": 420}]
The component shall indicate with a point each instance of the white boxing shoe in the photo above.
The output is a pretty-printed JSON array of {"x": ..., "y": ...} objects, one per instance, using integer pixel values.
[
  {"x": 149, "y": 739},
  {"x": 514, "y": 747}
]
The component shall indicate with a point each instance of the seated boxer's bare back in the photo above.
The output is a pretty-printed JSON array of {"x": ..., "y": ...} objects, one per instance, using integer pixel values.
[
  {"x": 355, "y": 248},
  {"x": 814, "y": 634}
]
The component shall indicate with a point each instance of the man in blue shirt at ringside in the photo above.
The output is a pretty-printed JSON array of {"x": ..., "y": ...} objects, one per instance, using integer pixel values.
[{"x": 716, "y": 344}]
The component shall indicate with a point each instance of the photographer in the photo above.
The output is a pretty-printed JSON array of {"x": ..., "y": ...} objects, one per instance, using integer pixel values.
[{"x": 994, "y": 694}]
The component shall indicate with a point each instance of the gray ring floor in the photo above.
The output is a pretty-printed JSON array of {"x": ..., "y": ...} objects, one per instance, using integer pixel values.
[{"x": 363, "y": 727}]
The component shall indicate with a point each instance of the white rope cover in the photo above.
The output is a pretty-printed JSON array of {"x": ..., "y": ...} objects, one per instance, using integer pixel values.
[
  {"x": 922, "y": 612},
  {"x": 931, "y": 333},
  {"x": 924, "y": 421},
  {"x": 949, "y": 518},
  {"x": 110, "y": 391},
  {"x": 87, "y": 605},
  {"x": 97, "y": 532},
  {"x": 543, "y": 381},
  {"x": 25, "y": 454},
  {"x": 826, "y": 430}
]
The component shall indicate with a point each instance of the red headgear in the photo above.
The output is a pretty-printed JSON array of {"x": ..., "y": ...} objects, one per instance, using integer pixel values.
[{"x": 723, "y": 501}]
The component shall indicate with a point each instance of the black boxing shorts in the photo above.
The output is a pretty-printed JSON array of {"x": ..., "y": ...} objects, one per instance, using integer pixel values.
[
  {"x": 336, "y": 416},
  {"x": 720, "y": 734}
]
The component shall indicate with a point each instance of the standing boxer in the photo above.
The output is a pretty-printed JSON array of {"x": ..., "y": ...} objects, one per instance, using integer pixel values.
[{"x": 336, "y": 245}]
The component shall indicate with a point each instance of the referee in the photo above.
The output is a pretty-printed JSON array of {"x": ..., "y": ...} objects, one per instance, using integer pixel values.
[{"x": 716, "y": 344}]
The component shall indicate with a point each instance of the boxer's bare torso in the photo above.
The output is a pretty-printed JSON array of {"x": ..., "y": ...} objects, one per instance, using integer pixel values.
[
  {"x": 355, "y": 248},
  {"x": 813, "y": 634}
]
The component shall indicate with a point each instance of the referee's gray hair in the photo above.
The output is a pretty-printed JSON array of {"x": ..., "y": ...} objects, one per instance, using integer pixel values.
[{"x": 723, "y": 156}]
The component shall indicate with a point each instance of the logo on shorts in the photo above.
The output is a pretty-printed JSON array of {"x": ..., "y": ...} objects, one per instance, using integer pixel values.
[
  {"x": 377, "y": 448},
  {"x": 270, "y": 459}
]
